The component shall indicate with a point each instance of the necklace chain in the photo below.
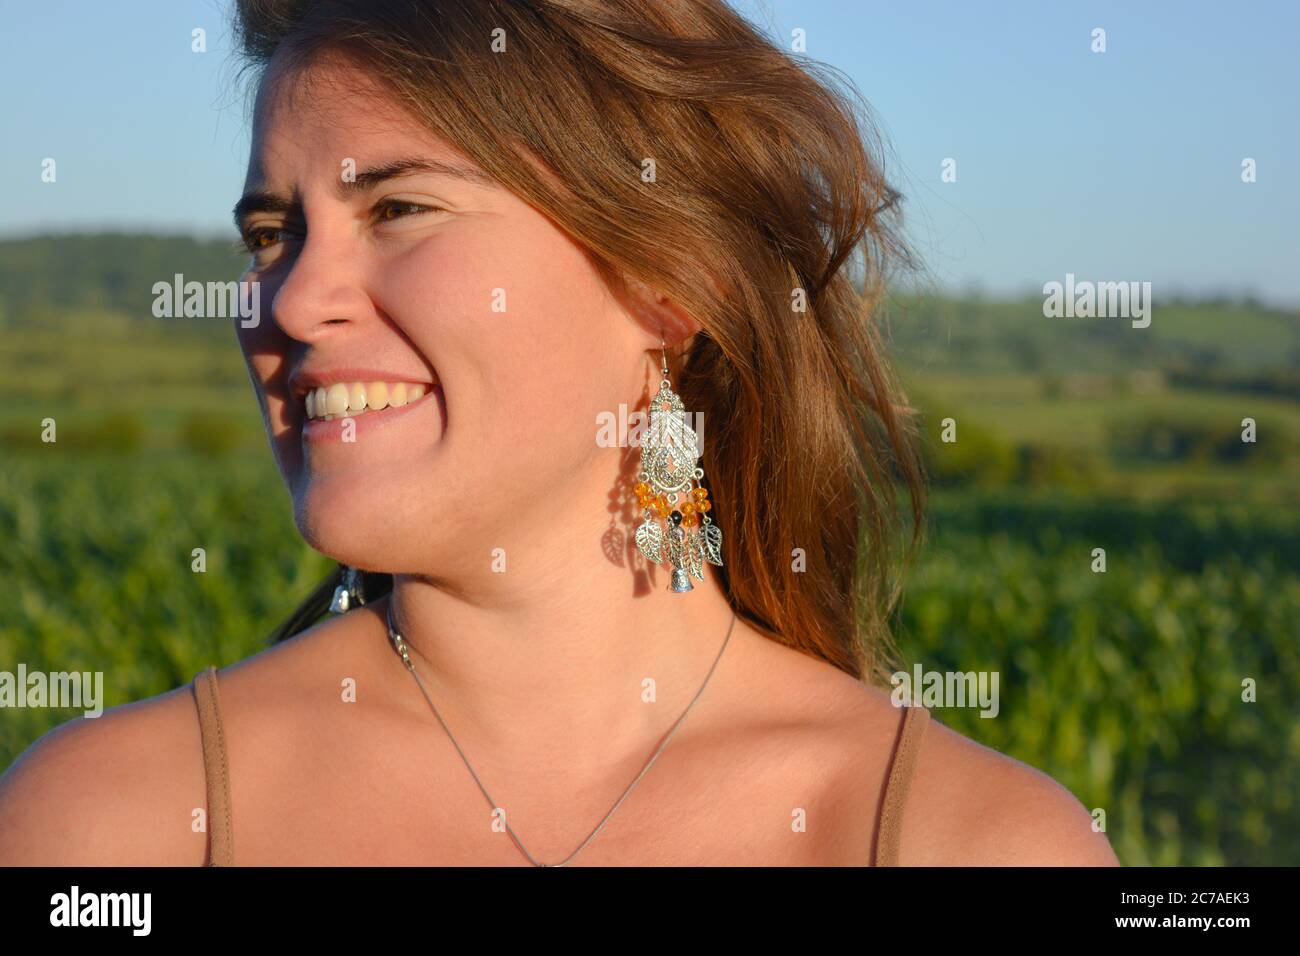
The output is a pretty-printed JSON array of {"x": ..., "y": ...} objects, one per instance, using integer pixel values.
[{"x": 403, "y": 650}]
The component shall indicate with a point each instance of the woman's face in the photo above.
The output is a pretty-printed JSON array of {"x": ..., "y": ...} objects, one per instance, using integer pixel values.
[{"x": 375, "y": 268}]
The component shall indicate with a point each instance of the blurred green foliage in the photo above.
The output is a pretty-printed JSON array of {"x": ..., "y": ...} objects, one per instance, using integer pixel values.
[
  {"x": 114, "y": 432},
  {"x": 1124, "y": 685},
  {"x": 1127, "y": 685},
  {"x": 211, "y": 436},
  {"x": 1173, "y": 438},
  {"x": 99, "y": 550}
]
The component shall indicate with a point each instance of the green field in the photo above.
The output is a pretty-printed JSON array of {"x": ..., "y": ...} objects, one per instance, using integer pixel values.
[{"x": 1125, "y": 685}]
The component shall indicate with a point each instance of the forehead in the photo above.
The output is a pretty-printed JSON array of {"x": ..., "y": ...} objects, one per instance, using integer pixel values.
[{"x": 328, "y": 110}]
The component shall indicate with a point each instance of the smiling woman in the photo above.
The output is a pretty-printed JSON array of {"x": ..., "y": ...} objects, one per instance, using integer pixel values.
[{"x": 480, "y": 229}]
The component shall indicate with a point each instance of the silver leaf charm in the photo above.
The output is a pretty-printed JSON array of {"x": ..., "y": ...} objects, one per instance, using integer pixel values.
[
  {"x": 695, "y": 554},
  {"x": 713, "y": 544},
  {"x": 650, "y": 541}
]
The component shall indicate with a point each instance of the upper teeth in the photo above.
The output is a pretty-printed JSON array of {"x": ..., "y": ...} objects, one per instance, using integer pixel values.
[{"x": 355, "y": 398}]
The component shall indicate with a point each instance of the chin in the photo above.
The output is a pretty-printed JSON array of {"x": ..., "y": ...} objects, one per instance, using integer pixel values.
[{"x": 352, "y": 522}]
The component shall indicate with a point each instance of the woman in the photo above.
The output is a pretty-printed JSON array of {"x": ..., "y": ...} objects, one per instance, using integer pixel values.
[{"x": 491, "y": 233}]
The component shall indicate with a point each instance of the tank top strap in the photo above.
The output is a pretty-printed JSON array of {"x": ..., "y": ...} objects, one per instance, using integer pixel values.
[
  {"x": 914, "y": 720},
  {"x": 216, "y": 769}
]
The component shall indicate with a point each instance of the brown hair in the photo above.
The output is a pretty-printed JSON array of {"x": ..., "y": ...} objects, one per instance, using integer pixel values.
[{"x": 766, "y": 199}]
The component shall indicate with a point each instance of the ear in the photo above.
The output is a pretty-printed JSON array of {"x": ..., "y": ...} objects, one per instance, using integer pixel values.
[{"x": 658, "y": 315}]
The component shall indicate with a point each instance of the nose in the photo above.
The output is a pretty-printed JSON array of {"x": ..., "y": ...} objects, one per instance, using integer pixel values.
[{"x": 323, "y": 291}]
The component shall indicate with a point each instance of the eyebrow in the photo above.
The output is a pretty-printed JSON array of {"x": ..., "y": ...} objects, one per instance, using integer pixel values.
[{"x": 260, "y": 200}]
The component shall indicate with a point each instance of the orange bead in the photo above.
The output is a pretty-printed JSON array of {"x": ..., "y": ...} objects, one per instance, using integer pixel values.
[
  {"x": 689, "y": 519},
  {"x": 704, "y": 504},
  {"x": 641, "y": 488},
  {"x": 699, "y": 494},
  {"x": 688, "y": 508}
]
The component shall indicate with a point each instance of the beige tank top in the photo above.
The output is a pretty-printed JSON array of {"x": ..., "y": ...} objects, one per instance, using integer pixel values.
[{"x": 216, "y": 768}]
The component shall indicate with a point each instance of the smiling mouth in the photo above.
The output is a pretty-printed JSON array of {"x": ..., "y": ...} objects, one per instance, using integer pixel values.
[{"x": 350, "y": 399}]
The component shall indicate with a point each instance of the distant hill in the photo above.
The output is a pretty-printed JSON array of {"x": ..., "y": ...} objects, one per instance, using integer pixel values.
[
  {"x": 46, "y": 276},
  {"x": 1184, "y": 338},
  {"x": 1225, "y": 344}
]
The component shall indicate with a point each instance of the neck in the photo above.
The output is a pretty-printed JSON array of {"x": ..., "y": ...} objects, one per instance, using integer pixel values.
[{"x": 583, "y": 667}]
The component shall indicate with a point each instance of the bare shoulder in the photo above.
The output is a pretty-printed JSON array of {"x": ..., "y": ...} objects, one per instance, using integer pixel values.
[
  {"x": 117, "y": 789},
  {"x": 969, "y": 805},
  {"x": 127, "y": 787}
]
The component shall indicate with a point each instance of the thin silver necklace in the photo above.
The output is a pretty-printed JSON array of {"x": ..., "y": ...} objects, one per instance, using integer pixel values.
[{"x": 403, "y": 650}]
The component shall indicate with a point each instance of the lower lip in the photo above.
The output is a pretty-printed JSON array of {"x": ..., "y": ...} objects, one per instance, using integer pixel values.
[{"x": 318, "y": 430}]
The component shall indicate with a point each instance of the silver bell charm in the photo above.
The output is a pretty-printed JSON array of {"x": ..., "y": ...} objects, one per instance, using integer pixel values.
[
  {"x": 681, "y": 581},
  {"x": 348, "y": 594}
]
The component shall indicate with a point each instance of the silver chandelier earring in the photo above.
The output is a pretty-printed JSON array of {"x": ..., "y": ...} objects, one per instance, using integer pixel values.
[
  {"x": 674, "y": 504},
  {"x": 349, "y": 593}
]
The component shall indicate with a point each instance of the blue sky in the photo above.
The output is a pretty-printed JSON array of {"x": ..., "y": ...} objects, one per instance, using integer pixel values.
[{"x": 1113, "y": 166}]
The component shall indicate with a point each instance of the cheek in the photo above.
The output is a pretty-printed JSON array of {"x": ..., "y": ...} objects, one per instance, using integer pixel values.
[
  {"x": 265, "y": 350},
  {"x": 522, "y": 333},
  {"x": 264, "y": 345}
]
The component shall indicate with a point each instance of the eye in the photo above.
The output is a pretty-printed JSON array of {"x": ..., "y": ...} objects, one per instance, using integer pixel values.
[
  {"x": 260, "y": 238},
  {"x": 393, "y": 209}
]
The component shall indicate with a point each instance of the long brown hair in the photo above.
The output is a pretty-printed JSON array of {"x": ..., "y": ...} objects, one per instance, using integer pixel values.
[{"x": 769, "y": 220}]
